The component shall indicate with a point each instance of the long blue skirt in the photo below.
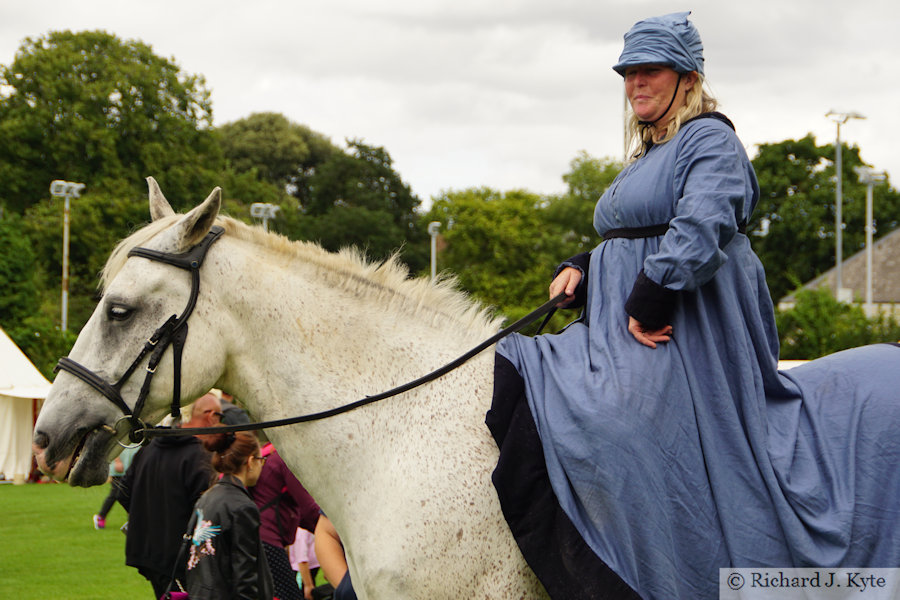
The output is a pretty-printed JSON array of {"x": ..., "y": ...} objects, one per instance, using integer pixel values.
[{"x": 674, "y": 462}]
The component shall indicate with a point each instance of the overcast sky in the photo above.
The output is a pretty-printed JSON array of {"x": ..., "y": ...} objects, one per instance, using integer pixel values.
[{"x": 505, "y": 93}]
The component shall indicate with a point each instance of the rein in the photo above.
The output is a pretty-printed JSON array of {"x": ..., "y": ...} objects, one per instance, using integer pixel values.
[
  {"x": 548, "y": 308},
  {"x": 174, "y": 333}
]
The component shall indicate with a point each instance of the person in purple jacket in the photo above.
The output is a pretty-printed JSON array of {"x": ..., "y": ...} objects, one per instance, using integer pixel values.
[{"x": 284, "y": 505}]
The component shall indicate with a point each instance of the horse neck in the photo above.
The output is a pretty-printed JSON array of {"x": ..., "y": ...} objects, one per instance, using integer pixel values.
[
  {"x": 306, "y": 338},
  {"x": 303, "y": 341}
]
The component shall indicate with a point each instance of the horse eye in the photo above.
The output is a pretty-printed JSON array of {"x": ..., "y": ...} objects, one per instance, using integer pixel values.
[{"x": 119, "y": 312}]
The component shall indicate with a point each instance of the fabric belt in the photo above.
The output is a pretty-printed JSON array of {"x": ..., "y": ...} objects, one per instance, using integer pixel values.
[{"x": 633, "y": 233}]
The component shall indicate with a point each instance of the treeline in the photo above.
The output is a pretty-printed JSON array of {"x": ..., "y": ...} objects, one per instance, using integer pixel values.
[{"x": 92, "y": 108}]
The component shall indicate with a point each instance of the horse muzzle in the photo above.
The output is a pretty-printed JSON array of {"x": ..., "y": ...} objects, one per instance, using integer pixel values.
[{"x": 82, "y": 460}]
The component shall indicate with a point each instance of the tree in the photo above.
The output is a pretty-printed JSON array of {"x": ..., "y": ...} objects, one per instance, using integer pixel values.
[
  {"x": 282, "y": 152},
  {"x": 490, "y": 244},
  {"x": 18, "y": 278},
  {"x": 505, "y": 246},
  {"x": 587, "y": 180},
  {"x": 793, "y": 226},
  {"x": 24, "y": 315},
  {"x": 356, "y": 198},
  {"x": 89, "y": 107},
  {"x": 241, "y": 189},
  {"x": 334, "y": 197},
  {"x": 39, "y": 337},
  {"x": 818, "y": 324},
  {"x": 499, "y": 246}
]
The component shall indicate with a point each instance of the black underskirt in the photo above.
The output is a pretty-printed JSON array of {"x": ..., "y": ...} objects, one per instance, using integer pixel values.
[{"x": 553, "y": 548}]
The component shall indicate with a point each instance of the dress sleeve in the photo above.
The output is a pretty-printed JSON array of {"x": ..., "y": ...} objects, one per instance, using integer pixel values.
[
  {"x": 582, "y": 262},
  {"x": 715, "y": 189}
]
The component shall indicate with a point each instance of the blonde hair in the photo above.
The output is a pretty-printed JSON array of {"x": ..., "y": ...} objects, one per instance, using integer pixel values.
[{"x": 640, "y": 137}]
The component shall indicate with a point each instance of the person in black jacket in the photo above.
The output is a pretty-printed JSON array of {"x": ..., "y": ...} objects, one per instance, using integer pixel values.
[
  {"x": 226, "y": 559},
  {"x": 159, "y": 491}
]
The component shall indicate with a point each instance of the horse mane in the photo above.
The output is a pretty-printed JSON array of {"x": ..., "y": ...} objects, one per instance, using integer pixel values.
[{"x": 387, "y": 281}]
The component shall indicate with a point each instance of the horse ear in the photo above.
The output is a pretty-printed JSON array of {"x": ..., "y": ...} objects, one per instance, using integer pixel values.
[
  {"x": 159, "y": 206},
  {"x": 192, "y": 227}
]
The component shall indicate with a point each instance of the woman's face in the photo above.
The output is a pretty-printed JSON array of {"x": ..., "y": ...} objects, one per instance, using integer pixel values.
[
  {"x": 254, "y": 469},
  {"x": 649, "y": 89}
]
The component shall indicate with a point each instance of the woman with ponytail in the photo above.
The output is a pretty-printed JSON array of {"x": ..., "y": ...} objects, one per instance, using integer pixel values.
[{"x": 225, "y": 557}]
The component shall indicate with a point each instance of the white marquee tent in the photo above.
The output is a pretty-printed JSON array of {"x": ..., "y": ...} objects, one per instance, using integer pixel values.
[{"x": 21, "y": 388}]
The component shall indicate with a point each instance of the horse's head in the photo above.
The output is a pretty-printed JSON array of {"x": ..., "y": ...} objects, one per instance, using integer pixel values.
[{"x": 82, "y": 420}]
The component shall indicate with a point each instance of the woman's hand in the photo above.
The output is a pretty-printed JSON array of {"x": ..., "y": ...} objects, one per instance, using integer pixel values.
[
  {"x": 567, "y": 281},
  {"x": 646, "y": 336}
]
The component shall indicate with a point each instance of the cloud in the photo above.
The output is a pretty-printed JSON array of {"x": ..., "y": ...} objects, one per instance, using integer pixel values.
[{"x": 469, "y": 93}]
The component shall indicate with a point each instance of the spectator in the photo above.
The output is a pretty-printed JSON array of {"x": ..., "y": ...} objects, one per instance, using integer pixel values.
[
  {"x": 117, "y": 469},
  {"x": 226, "y": 559},
  {"x": 233, "y": 414},
  {"x": 302, "y": 554},
  {"x": 332, "y": 559},
  {"x": 159, "y": 491},
  {"x": 284, "y": 505}
]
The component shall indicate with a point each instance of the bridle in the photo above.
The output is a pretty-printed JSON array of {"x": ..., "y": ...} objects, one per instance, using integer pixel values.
[
  {"x": 171, "y": 333},
  {"x": 174, "y": 333}
]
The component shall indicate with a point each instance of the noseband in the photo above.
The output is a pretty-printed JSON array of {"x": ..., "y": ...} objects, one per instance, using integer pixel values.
[{"x": 171, "y": 333}]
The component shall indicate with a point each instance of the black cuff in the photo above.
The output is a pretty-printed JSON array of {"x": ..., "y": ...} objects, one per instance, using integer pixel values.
[
  {"x": 650, "y": 303},
  {"x": 579, "y": 261},
  {"x": 582, "y": 262}
]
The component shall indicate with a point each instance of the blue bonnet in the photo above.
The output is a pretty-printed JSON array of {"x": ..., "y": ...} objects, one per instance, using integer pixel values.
[{"x": 669, "y": 40}]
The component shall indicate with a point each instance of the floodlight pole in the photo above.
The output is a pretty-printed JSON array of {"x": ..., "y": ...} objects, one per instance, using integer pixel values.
[
  {"x": 66, "y": 190},
  {"x": 433, "y": 229},
  {"x": 839, "y": 118},
  {"x": 64, "y": 304},
  {"x": 870, "y": 178}
]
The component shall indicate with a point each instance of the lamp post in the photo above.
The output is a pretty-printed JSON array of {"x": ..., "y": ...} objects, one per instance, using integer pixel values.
[
  {"x": 433, "y": 229},
  {"x": 66, "y": 190},
  {"x": 839, "y": 118},
  {"x": 264, "y": 211},
  {"x": 870, "y": 178}
]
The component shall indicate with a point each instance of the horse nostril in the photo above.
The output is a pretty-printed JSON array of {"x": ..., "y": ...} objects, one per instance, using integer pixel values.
[{"x": 41, "y": 440}]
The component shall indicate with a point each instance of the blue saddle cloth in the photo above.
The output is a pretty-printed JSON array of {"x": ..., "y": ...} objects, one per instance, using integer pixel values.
[{"x": 664, "y": 508}]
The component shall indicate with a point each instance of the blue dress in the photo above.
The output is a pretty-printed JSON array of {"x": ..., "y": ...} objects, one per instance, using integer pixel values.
[{"x": 698, "y": 455}]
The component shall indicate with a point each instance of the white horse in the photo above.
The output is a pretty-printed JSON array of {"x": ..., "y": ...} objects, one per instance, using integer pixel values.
[{"x": 291, "y": 329}]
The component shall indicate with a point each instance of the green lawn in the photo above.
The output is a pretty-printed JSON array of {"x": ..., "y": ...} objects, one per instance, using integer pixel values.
[{"x": 50, "y": 549}]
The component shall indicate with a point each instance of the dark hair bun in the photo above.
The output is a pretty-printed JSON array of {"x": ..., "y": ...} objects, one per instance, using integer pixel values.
[{"x": 231, "y": 450}]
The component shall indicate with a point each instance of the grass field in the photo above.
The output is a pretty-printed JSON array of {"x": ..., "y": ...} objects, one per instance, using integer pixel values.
[{"x": 50, "y": 549}]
